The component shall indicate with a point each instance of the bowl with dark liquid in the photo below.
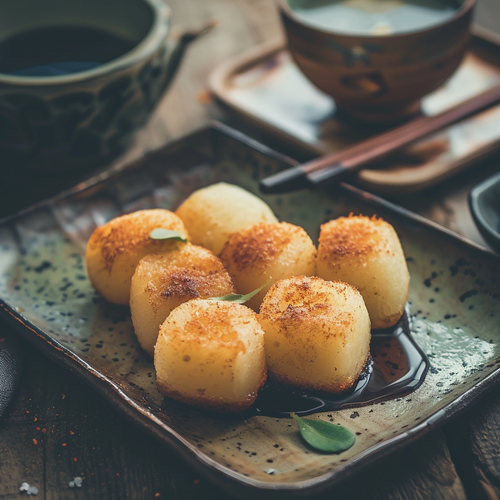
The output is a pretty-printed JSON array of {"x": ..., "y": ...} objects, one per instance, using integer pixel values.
[
  {"x": 78, "y": 78},
  {"x": 377, "y": 58}
]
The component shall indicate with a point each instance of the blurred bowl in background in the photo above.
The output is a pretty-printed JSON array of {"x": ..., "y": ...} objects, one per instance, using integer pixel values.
[{"x": 376, "y": 77}]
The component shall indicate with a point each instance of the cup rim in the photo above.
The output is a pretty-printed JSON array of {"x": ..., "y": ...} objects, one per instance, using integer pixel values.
[
  {"x": 156, "y": 34},
  {"x": 461, "y": 11}
]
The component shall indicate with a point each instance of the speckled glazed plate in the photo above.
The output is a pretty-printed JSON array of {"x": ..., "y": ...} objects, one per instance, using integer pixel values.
[{"x": 454, "y": 313}]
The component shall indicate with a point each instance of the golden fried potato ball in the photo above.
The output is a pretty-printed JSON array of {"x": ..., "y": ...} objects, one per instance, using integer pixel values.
[
  {"x": 213, "y": 213},
  {"x": 317, "y": 333},
  {"x": 263, "y": 251},
  {"x": 211, "y": 354},
  {"x": 162, "y": 282},
  {"x": 115, "y": 249},
  {"x": 366, "y": 252}
]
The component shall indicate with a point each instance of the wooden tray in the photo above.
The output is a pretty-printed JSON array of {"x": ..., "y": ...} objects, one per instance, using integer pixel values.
[{"x": 265, "y": 85}]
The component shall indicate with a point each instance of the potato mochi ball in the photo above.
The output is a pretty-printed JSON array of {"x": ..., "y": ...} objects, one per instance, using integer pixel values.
[
  {"x": 263, "y": 251},
  {"x": 211, "y": 354},
  {"x": 317, "y": 333},
  {"x": 162, "y": 282},
  {"x": 211, "y": 214},
  {"x": 366, "y": 252},
  {"x": 115, "y": 249}
]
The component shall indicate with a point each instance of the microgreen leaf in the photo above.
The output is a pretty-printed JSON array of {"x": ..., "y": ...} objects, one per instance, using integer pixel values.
[
  {"x": 238, "y": 298},
  {"x": 325, "y": 436},
  {"x": 166, "y": 234}
]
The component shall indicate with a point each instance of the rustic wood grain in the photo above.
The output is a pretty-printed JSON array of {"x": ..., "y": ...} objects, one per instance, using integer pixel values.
[{"x": 473, "y": 440}]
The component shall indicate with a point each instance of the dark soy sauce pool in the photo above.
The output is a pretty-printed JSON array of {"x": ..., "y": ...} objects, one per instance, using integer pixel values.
[
  {"x": 60, "y": 51},
  {"x": 398, "y": 366}
]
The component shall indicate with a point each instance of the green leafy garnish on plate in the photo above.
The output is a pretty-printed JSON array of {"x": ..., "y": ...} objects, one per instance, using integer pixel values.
[
  {"x": 238, "y": 298},
  {"x": 167, "y": 234},
  {"x": 325, "y": 436}
]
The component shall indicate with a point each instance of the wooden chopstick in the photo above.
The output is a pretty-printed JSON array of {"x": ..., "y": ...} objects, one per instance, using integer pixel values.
[{"x": 336, "y": 166}]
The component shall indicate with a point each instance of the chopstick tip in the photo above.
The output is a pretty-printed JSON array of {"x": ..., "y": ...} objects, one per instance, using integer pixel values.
[{"x": 288, "y": 180}]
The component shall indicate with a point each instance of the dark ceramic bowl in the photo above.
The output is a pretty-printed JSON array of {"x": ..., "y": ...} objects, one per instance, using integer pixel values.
[
  {"x": 72, "y": 120},
  {"x": 378, "y": 78},
  {"x": 484, "y": 202}
]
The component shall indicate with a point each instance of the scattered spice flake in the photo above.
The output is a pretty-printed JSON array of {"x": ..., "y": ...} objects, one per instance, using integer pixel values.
[
  {"x": 204, "y": 97},
  {"x": 35, "y": 419},
  {"x": 64, "y": 444},
  {"x": 75, "y": 459},
  {"x": 157, "y": 495},
  {"x": 34, "y": 441},
  {"x": 44, "y": 430},
  {"x": 63, "y": 396},
  {"x": 38, "y": 428}
]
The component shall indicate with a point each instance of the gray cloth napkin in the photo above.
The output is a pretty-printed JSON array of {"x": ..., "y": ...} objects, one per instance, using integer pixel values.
[{"x": 11, "y": 360}]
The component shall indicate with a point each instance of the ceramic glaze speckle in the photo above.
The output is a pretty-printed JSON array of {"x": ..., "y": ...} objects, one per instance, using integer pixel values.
[{"x": 454, "y": 296}]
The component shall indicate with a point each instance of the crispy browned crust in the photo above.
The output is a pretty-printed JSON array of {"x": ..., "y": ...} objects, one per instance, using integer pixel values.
[
  {"x": 305, "y": 300},
  {"x": 353, "y": 237},
  {"x": 259, "y": 245},
  {"x": 211, "y": 403},
  {"x": 333, "y": 387},
  {"x": 187, "y": 273},
  {"x": 125, "y": 233}
]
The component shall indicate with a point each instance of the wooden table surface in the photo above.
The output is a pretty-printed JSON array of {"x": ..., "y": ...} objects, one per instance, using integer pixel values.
[{"x": 57, "y": 428}]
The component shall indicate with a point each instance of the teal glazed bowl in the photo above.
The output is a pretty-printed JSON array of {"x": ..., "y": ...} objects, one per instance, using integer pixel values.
[
  {"x": 72, "y": 120},
  {"x": 484, "y": 203}
]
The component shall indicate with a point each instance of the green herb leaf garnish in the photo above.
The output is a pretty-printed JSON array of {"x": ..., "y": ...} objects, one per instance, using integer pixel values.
[
  {"x": 239, "y": 298},
  {"x": 166, "y": 234},
  {"x": 325, "y": 436}
]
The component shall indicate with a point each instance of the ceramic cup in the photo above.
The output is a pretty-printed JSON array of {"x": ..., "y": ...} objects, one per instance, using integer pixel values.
[
  {"x": 72, "y": 120},
  {"x": 377, "y": 78}
]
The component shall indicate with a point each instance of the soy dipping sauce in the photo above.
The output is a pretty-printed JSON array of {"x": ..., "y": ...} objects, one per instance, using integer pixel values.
[{"x": 397, "y": 367}]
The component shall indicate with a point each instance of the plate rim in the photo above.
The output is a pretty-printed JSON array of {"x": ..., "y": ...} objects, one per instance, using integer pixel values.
[{"x": 215, "y": 472}]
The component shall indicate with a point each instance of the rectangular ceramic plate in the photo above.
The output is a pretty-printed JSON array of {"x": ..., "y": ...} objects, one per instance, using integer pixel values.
[
  {"x": 266, "y": 86},
  {"x": 454, "y": 308}
]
